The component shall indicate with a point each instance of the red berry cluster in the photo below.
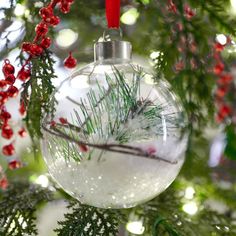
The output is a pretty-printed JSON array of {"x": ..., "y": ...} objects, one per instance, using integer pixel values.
[
  {"x": 189, "y": 13},
  {"x": 8, "y": 91},
  {"x": 224, "y": 85},
  {"x": 7, "y": 88},
  {"x": 185, "y": 43},
  {"x": 49, "y": 19}
]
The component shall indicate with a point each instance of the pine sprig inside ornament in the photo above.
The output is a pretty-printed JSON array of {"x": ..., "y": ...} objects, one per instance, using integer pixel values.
[{"x": 120, "y": 95}]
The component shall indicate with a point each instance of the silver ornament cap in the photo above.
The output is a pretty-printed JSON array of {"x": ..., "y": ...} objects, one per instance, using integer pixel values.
[{"x": 112, "y": 47}]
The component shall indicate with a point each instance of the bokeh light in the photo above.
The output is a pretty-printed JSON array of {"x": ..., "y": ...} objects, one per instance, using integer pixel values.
[
  {"x": 189, "y": 193},
  {"x": 190, "y": 208},
  {"x": 43, "y": 181},
  {"x": 19, "y": 10},
  {"x": 130, "y": 17},
  {"x": 135, "y": 227},
  {"x": 233, "y": 4},
  {"x": 66, "y": 37},
  {"x": 221, "y": 38}
]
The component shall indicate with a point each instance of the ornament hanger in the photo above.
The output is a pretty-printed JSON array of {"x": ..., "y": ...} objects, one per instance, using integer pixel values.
[
  {"x": 111, "y": 46},
  {"x": 113, "y": 31},
  {"x": 113, "y": 14}
]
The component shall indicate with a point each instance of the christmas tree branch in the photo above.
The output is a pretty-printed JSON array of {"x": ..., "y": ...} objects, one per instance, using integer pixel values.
[
  {"x": 85, "y": 220},
  {"x": 18, "y": 205}
]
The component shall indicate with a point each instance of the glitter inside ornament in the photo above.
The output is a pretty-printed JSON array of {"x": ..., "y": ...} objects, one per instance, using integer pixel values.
[{"x": 123, "y": 142}]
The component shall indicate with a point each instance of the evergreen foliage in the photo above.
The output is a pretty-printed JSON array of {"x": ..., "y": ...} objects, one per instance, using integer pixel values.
[
  {"x": 18, "y": 205},
  {"x": 37, "y": 92},
  {"x": 88, "y": 221}
]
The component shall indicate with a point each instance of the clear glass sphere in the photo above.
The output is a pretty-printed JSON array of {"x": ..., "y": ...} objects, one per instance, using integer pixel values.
[{"x": 116, "y": 137}]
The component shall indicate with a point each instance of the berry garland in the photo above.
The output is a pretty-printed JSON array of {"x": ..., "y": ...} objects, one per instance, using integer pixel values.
[
  {"x": 225, "y": 86},
  {"x": 7, "y": 89},
  {"x": 225, "y": 97}
]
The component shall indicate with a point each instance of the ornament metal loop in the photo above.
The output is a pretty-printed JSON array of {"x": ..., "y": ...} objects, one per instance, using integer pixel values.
[{"x": 111, "y": 34}]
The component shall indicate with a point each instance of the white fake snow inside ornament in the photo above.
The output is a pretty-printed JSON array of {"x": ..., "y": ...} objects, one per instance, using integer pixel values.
[{"x": 117, "y": 180}]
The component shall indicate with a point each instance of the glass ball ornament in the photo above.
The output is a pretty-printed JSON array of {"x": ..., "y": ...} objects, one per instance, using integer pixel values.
[{"x": 116, "y": 136}]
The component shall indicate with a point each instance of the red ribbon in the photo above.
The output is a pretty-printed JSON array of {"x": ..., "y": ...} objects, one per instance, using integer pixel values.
[{"x": 113, "y": 13}]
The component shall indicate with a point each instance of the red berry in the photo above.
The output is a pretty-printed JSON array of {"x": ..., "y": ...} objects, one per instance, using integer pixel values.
[
  {"x": 22, "y": 132},
  {"x": 26, "y": 46},
  {"x": 70, "y": 62},
  {"x": 179, "y": 26},
  {"x": 3, "y": 183},
  {"x": 41, "y": 29},
  {"x": 219, "y": 47},
  {"x": 151, "y": 151},
  {"x": 23, "y": 74},
  {"x": 179, "y": 65},
  {"x": 221, "y": 91},
  {"x": 225, "y": 79},
  {"x": 12, "y": 91},
  {"x": 53, "y": 123},
  {"x": 64, "y": 7},
  {"x": 219, "y": 68},
  {"x": 54, "y": 20},
  {"x": 5, "y": 116},
  {"x": 36, "y": 50},
  {"x": 10, "y": 79},
  {"x": 3, "y": 83},
  {"x": 189, "y": 13},
  {"x": 83, "y": 148},
  {"x": 7, "y": 132},
  {"x": 8, "y": 68},
  {"x": 8, "y": 150},
  {"x": 45, "y": 43},
  {"x": 63, "y": 120},
  {"x": 172, "y": 7},
  {"x": 3, "y": 97},
  {"x": 225, "y": 110},
  {"x": 14, "y": 164},
  {"x": 22, "y": 109},
  {"x": 46, "y": 13}
]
